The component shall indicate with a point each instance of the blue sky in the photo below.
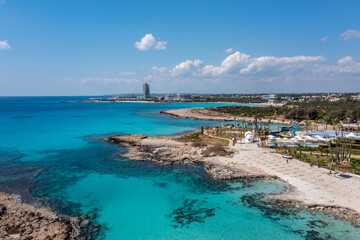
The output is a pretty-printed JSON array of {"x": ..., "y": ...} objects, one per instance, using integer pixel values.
[{"x": 105, "y": 47}]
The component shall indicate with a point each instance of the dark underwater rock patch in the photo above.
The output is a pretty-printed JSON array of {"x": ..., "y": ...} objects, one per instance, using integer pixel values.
[
  {"x": 22, "y": 117},
  {"x": 190, "y": 212},
  {"x": 315, "y": 235},
  {"x": 277, "y": 212},
  {"x": 89, "y": 226},
  {"x": 317, "y": 224},
  {"x": 16, "y": 177},
  {"x": 161, "y": 184},
  {"x": 271, "y": 211},
  {"x": 10, "y": 155}
]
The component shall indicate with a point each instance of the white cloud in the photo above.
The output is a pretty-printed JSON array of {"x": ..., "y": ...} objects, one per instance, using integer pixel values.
[
  {"x": 230, "y": 64},
  {"x": 229, "y": 50},
  {"x": 240, "y": 68},
  {"x": 159, "y": 69},
  {"x": 128, "y": 73},
  {"x": 241, "y": 64},
  {"x": 2, "y": 1},
  {"x": 189, "y": 67},
  {"x": 350, "y": 34},
  {"x": 148, "y": 42},
  {"x": 324, "y": 39},
  {"x": 263, "y": 64},
  {"x": 348, "y": 65},
  {"x": 107, "y": 80},
  {"x": 4, "y": 45},
  {"x": 161, "y": 45}
]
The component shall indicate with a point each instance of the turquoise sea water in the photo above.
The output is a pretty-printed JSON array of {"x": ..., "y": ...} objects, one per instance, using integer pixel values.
[{"x": 53, "y": 151}]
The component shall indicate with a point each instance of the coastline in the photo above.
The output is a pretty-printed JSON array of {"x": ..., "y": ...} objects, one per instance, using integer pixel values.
[
  {"x": 310, "y": 188},
  {"x": 206, "y": 115},
  {"x": 151, "y": 101}
]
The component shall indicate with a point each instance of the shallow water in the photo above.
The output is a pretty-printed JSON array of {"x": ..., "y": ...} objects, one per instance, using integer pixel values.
[{"x": 55, "y": 149}]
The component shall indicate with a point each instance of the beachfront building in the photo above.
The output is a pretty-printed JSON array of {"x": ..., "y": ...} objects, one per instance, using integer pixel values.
[
  {"x": 351, "y": 127},
  {"x": 270, "y": 97},
  {"x": 178, "y": 97},
  {"x": 249, "y": 137},
  {"x": 146, "y": 90}
]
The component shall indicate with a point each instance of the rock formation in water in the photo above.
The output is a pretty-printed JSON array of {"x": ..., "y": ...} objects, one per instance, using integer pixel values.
[{"x": 25, "y": 222}]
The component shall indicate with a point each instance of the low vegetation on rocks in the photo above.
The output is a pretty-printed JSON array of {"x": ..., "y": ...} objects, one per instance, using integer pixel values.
[{"x": 216, "y": 150}]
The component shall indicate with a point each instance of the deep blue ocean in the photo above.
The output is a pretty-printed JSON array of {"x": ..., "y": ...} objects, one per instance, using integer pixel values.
[{"x": 53, "y": 151}]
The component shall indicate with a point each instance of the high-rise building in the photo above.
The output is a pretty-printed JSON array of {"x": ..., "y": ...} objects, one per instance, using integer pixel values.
[{"x": 146, "y": 90}]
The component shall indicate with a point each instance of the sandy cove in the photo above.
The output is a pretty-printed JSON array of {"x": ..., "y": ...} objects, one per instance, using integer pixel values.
[{"x": 311, "y": 187}]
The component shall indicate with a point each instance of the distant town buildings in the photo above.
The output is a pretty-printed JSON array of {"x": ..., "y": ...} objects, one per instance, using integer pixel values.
[
  {"x": 282, "y": 98},
  {"x": 146, "y": 90}
]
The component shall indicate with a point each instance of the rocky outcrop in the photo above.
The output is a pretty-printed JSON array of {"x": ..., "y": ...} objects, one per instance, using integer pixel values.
[
  {"x": 129, "y": 139},
  {"x": 161, "y": 150},
  {"x": 222, "y": 172},
  {"x": 171, "y": 150},
  {"x": 25, "y": 222},
  {"x": 285, "y": 198}
]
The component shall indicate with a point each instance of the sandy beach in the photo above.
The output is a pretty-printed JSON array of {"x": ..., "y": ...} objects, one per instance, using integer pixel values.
[{"x": 312, "y": 185}]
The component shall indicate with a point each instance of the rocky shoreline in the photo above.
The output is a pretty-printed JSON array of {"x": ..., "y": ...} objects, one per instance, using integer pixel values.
[
  {"x": 340, "y": 212},
  {"x": 174, "y": 150},
  {"x": 23, "y": 221}
]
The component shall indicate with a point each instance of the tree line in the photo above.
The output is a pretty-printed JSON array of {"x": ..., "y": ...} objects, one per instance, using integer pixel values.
[{"x": 324, "y": 111}]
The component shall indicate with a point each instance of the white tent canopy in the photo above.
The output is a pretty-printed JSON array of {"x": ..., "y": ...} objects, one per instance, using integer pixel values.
[{"x": 353, "y": 136}]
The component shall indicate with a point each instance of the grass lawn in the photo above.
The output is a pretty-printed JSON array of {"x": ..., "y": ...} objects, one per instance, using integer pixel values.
[{"x": 197, "y": 136}]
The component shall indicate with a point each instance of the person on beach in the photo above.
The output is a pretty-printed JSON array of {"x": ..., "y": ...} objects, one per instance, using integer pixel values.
[{"x": 311, "y": 164}]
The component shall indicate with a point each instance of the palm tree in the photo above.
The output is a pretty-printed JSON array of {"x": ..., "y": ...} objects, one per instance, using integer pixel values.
[
  {"x": 335, "y": 121},
  {"x": 299, "y": 146},
  {"x": 317, "y": 161},
  {"x": 327, "y": 120},
  {"x": 350, "y": 148},
  {"x": 285, "y": 148},
  {"x": 337, "y": 151},
  {"x": 276, "y": 146}
]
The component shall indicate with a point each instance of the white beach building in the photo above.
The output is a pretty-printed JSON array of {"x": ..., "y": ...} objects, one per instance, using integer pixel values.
[{"x": 249, "y": 137}]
